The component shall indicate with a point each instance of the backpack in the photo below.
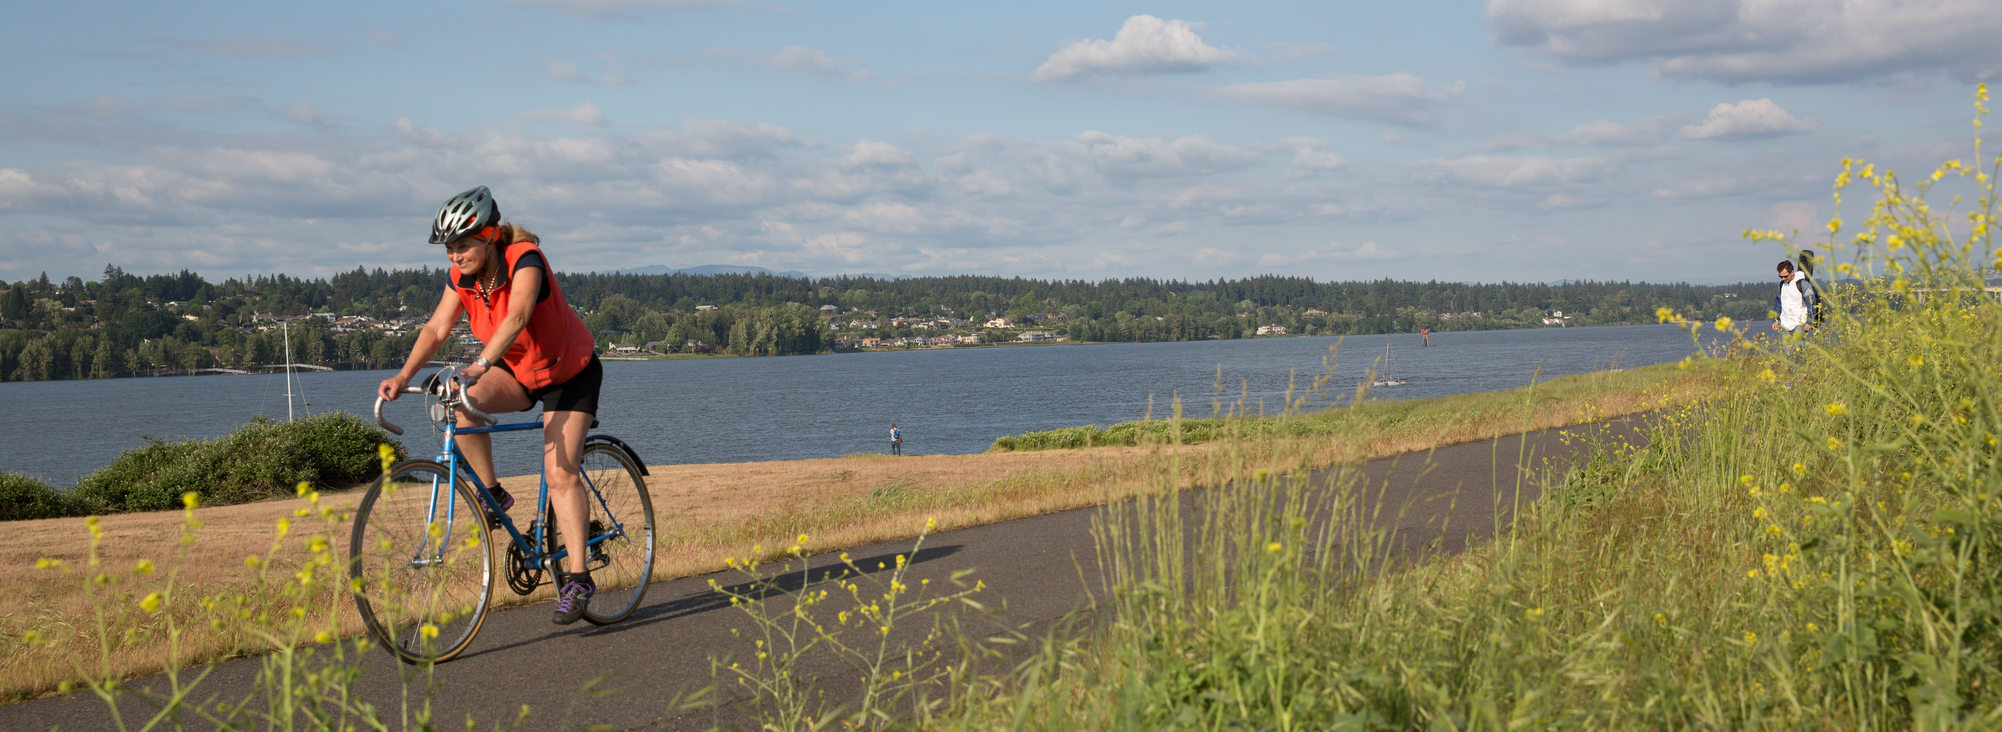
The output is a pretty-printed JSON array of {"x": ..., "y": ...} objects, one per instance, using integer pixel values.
[{"x": 1816, "y": 311}]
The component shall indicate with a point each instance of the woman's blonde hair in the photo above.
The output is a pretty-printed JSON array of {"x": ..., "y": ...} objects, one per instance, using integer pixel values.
[{"x": 510, "y": 233}]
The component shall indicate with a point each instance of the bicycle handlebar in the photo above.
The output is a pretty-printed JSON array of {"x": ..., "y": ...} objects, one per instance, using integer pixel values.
[{"x": 447, "y": 394}]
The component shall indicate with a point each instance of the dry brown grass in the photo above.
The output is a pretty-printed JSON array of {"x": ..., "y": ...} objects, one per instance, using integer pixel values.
[{"x": 707, "y": 513}]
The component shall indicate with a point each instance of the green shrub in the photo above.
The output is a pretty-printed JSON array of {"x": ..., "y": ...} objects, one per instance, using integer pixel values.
[
  {"x": 27, "y": 497},
  {"x": 263, "y": 460}
]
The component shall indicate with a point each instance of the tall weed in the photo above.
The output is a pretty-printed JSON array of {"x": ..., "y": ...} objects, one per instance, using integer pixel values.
[{"x": 1818, "y": 547}]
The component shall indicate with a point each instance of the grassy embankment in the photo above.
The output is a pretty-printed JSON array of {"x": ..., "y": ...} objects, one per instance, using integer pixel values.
[
  {"x": 260, "y": 461},
  {"x": 1817, "y": 545},
  {"x": 708, "y": 512}
]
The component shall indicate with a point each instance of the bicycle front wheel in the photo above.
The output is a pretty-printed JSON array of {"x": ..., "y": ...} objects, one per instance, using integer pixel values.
[
  {"x": 419, "y": 562},
  {"x": 620, "y": 556}
]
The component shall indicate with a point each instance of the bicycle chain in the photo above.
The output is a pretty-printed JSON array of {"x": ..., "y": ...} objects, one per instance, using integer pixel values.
[{"x": 522, "y": 577}]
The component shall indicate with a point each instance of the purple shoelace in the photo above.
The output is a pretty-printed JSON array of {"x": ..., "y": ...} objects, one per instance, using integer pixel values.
[{"x": 572, "y": 596}]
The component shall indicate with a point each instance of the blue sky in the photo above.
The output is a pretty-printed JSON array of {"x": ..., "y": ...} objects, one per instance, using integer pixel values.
[{"x": 1512, "y": 140}]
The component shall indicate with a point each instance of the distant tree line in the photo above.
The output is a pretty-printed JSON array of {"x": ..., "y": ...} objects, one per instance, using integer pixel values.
[{"x": 125, "y": 324}]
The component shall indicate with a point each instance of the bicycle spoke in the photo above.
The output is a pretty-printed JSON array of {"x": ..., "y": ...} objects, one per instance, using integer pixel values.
[
  {"x": 421, "y": 565},
  {"x": 621, "y": 560}
]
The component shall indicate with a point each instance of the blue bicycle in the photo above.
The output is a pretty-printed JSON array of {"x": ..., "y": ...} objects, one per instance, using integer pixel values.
[{"x": 419, "y": 563}]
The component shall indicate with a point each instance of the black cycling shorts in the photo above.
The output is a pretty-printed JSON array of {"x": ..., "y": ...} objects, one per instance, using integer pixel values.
[{"x": 579, "y": 394}]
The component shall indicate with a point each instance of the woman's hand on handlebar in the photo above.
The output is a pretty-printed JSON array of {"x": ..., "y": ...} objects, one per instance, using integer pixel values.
[{"x": 392, "y": 387}]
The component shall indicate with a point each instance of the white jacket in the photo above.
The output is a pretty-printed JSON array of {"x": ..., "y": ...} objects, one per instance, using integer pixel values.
[{"x": 1793, "y": 307}]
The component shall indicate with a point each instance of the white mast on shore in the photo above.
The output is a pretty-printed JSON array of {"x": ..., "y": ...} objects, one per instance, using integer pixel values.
[{"x": 288, "y": 370}]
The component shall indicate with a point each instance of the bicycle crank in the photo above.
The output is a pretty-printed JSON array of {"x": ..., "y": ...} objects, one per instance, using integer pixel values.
[{"x": 522, "y": 576}]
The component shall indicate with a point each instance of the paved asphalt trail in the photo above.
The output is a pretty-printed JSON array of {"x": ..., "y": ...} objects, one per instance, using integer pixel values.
[{"x": 1031, "y": 568}]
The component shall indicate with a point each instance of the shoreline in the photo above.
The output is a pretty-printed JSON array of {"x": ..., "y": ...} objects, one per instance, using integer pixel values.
[{"x": 266, "y": 370}]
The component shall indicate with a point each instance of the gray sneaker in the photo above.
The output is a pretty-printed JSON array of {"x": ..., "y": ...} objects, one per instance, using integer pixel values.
[{"x": 571, "y": 599}]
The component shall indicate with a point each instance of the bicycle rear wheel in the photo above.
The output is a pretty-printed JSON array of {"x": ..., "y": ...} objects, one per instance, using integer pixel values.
[
  {"x": 621, "y": 562},
  {"x": 419, "y": 562}
]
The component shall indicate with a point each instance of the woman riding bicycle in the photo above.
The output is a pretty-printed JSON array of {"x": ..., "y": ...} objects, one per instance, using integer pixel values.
[{"x": 536, "y": 350}]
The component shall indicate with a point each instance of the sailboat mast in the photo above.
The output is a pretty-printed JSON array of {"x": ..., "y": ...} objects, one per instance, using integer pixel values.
[{"x": 288, "y": 371}]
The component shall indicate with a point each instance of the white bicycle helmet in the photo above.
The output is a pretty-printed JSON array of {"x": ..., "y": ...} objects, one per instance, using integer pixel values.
[{"x": 466, "y": 214}]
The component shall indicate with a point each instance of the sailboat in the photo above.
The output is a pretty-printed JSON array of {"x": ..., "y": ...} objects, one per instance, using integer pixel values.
[{"x": 1387, "y": 379}]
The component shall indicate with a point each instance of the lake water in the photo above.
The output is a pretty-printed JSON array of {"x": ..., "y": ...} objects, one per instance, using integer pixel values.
[{"x": 748, "y": 409}]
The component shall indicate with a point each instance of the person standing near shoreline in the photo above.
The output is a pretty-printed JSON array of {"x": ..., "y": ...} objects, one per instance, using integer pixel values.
[{"x": 896, "y": 440}]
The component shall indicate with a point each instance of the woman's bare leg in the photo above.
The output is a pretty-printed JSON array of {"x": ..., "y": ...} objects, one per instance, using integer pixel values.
[{"x": 562, "y": 452}]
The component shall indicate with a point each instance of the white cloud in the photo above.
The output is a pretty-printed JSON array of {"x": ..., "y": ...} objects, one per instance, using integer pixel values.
[
  {"x": 1368, "y": 251},
  {"x": 1791, "y": 216},
  {"x": 1597, "y": 133},
  {"x": 1214, "y": 257},
  {"x": 873, "y": 154},
  {"x": 1400, "y": 98},
  {"x": 307, "y": 115},
  {"x": 1739, "y": 41},
  {"x": 1752, "y": 118},
  {"x": 738, "y": 139},
  {"x": 108, "y": 106},
  {"x": 1514, "y": 171},
  {"x": 1144, "y": 45},
  {"x": 1190, "y": 155},
  {"x": 1311, "y": 157},
  {"x": 584, "y": 115},
  {"x": 1613, "y": 134},
  {"x": 800, "y": 59}
]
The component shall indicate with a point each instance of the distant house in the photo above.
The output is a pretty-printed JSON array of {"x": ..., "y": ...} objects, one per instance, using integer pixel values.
[
  {"x": 700, "y": 308},
  {"x": 1272, "y": 330},
  {"x": 1037, "y": 336},
  {"x": 1000, "y": 323},
  {"x": 830, "y": 309}
]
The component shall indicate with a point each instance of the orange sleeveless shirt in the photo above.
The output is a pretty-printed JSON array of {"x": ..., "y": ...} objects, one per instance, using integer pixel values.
[{"x": 555, "y": 345}]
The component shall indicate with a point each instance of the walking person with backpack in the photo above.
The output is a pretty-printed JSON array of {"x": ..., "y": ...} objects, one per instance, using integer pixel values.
[{"x": 1795, "y": 305}]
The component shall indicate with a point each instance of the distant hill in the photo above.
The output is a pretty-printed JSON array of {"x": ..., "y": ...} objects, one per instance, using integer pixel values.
[
  {"x": 712, "y": 269},
  {"x": 716, "y": 269}
]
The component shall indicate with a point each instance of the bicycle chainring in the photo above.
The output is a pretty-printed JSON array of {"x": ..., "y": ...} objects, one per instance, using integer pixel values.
[{"x": 522, "y": 577}]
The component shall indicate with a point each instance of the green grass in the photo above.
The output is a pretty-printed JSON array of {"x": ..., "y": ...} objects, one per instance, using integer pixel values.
[
  {"x": 1380, "y": 418},
  {"x": 1817, "y": 547}
]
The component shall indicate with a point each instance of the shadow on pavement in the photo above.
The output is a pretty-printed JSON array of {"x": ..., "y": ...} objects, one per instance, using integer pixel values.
[{"x": 704, "y": 599}]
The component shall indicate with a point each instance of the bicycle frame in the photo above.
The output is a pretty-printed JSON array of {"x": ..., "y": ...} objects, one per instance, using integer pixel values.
[{"x": 457, "y": 467}]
